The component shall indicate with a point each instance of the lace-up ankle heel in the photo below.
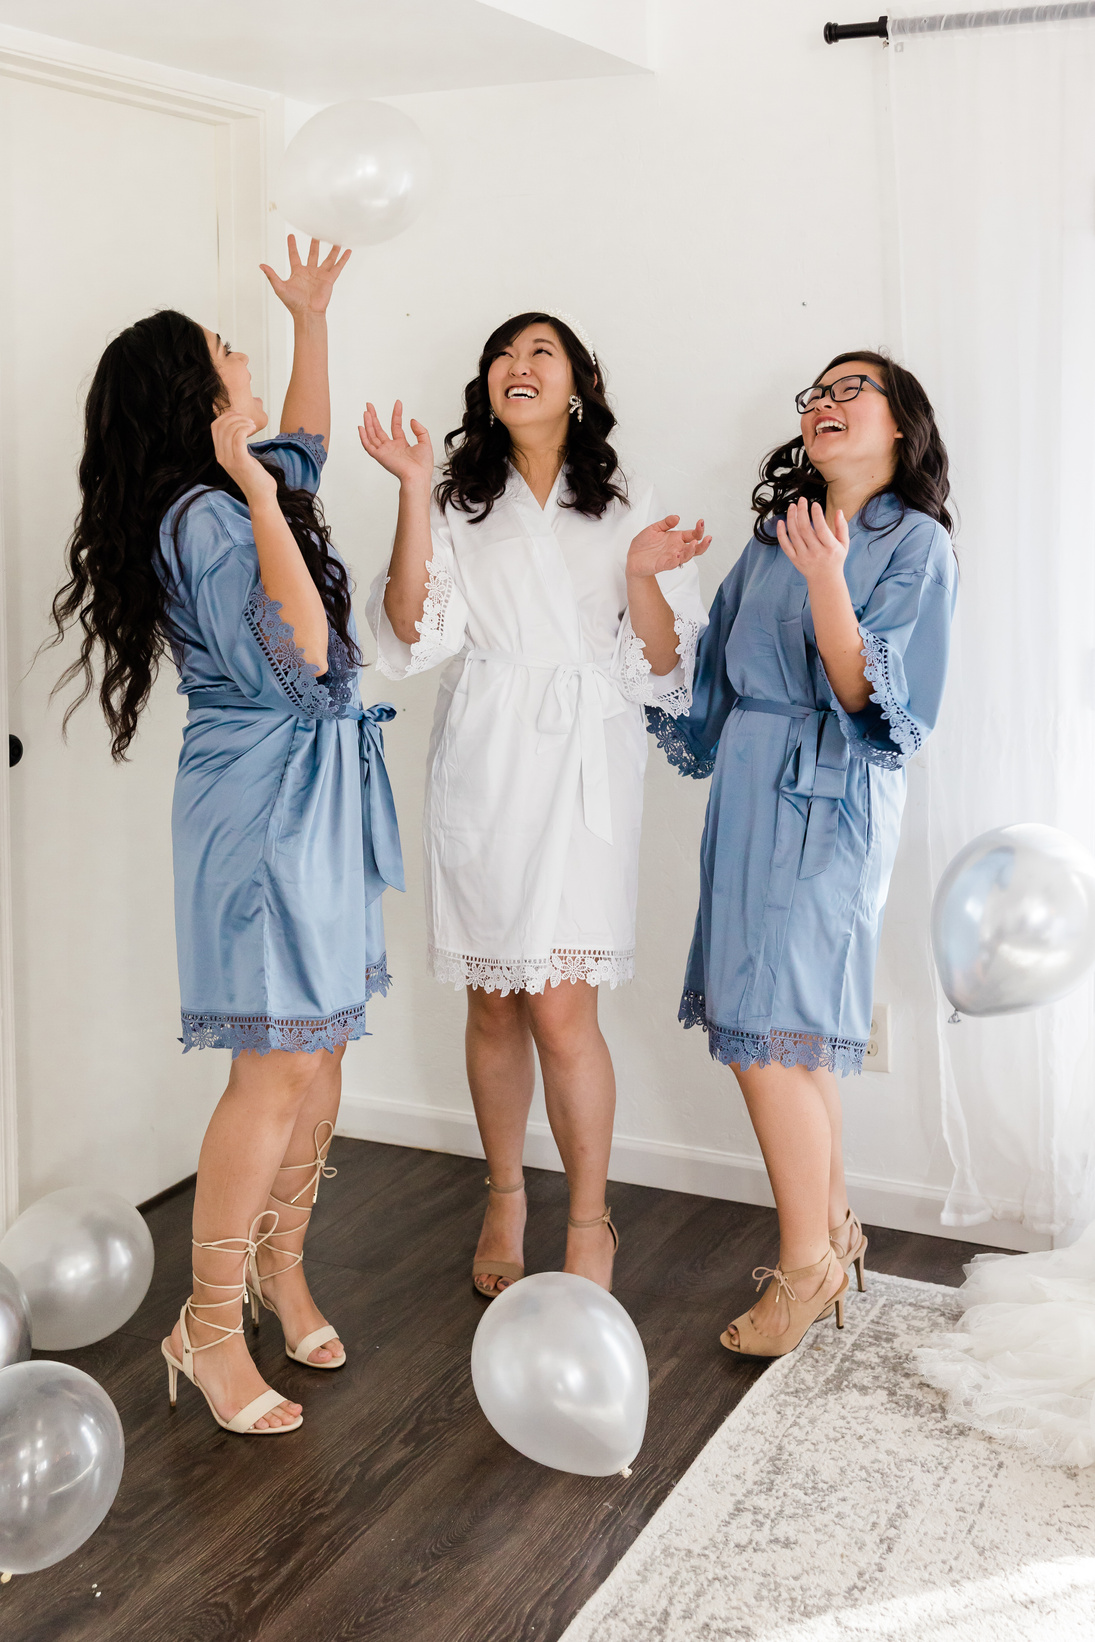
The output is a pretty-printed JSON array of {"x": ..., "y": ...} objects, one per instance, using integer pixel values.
[
  {"x": 242, "y": 1424},
  {"x": 508, "y": 1270},
  {"x": 850, "y": 1245},
  {"x": 750, "y": 1342},
  {"x": 318, "y": 1170}
]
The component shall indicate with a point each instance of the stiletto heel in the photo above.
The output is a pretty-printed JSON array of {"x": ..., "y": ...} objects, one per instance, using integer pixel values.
[
  {"x": 599, "y": 1220},
  {"x": 801, "y": 1314},
  {"x": 850, "y": 1245},
  {"x": 242, "y": 1424},
  {"x": 509, "y": 1269},
  {"x": 301, "y": 1352}
]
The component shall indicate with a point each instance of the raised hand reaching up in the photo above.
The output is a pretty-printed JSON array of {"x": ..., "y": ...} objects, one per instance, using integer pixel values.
[{"x": 309, "y": 285}]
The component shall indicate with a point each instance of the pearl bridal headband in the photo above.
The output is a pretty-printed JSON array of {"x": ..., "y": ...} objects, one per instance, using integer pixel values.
[{"x": 567, "y": 319}]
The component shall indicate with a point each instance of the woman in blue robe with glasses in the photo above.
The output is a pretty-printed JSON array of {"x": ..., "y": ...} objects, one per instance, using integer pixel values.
[
  {"x": 819, "y": 677},
  {"x": 190, "y": 538}
]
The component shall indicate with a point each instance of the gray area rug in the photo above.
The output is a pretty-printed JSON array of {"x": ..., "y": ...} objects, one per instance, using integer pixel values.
[{"x": 839, "y": 1504}]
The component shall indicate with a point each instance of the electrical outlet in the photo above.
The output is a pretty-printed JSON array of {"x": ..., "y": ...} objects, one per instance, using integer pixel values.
[{"x": 877, "y": 1057}]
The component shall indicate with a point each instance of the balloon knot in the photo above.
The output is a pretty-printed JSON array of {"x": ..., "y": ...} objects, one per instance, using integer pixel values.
[
  {"x": 955, "y": 1019},
  {"x": 626, "y": 1472}
]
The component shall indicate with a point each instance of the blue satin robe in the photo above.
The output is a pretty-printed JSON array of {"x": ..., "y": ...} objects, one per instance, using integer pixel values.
[
  {"x": 283, "y": 824},
  {"x": 805, "y": 808}
]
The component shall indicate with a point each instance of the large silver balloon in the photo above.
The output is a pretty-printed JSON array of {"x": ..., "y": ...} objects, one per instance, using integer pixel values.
[
  {"x": 560, "y": 1373},
  {"x": 61, "y": 1457},
  {"x": 1013, "y": 920},
  {"x": 355, "y": 174},
  {"x": 84, "y": 1258},
  {"x": 14, "y": 1320}
]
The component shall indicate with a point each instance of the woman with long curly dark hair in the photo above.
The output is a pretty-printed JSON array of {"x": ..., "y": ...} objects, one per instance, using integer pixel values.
[
  {"x": 563, "y": 601},
  {"x": 192, "y": 541},
  {"x": 820, "y": 675}
]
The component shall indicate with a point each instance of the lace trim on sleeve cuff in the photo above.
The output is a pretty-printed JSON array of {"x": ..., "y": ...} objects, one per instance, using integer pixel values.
[
  {"x": 667, "y": 733},
  {"x": 430, "y": 648},
  {"x": 904, "y": 729},
  {"x": 296, "y": 676},
  {"x": 313, "y": 443},
  {"x": 638, "y": 681}
]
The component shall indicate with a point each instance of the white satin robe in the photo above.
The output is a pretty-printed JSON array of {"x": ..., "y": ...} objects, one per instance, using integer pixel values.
[{"x": 535, "y": 782}]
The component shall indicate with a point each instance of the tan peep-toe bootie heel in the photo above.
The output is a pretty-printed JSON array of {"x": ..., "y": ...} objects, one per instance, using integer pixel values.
[
  {"x": 301, "y": 1352},
  {"x": 600, "y": 1220},
  {"x": 242, "y": 1424},
  {"x": 509, "y": 1269},
  {"x": 850, "y": 1245},
  {"x": 802, "y": 1314}
]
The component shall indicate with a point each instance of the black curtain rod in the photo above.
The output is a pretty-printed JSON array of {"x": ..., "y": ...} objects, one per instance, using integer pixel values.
[
  {"x": 948, "y": 22},
  {"x": 857, "y": 31}
]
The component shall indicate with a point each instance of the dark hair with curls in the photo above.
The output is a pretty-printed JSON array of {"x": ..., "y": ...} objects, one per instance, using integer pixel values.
[
  {"x": 148, "y": 441},
  {"x": 920, "y": 479},
  {"x": 478, "y": 451}
]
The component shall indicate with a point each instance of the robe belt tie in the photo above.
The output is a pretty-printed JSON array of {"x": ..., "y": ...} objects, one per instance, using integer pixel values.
[
  {"x": 579, "y": 693},
  {"x": 813, "y": 778},
  {"x": 383, "y": 856}
]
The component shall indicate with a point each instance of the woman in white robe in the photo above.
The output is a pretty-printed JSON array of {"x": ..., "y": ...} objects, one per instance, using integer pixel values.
[{"x": 562, "y": 605}]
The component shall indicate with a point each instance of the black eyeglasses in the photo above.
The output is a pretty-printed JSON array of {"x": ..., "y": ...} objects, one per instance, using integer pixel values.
[{"x": 840, "y": 391}]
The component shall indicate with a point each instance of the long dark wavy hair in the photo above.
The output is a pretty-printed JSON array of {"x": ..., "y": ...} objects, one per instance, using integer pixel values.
[
  {"x": 477, "y": 453},
  {"x": 147, "y": 441},
  {"x": 920, "y": 480}
]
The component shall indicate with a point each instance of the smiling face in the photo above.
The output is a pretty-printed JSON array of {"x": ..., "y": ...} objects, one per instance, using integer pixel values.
[
  {"x": 234, "y": 372},
  {"x": 530, "y": 382},
  {"x": 855, "y": 436}
]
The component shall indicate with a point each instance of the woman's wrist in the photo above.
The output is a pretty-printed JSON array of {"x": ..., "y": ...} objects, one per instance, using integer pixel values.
[{"x": 309, "y": 323}]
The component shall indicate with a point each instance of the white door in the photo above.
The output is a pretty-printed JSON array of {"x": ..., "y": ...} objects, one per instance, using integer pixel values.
[{"x": 108, "y": 212}]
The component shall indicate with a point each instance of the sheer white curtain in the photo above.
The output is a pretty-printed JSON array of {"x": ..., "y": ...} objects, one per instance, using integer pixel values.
[{"x": 994, "y": 139}]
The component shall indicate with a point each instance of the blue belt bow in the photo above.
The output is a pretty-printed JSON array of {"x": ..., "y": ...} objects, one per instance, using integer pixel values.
[
  {"x": 813, "y": 778},
  {"x": 386, "y": 866}
]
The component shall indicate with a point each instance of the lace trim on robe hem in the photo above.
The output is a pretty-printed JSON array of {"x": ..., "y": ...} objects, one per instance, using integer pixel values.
[
  {"x": 597, "y": 967},
  {"x": 297, "y": 677},
  {"x": 677, "y": 750},
  {"x": 430, "y": 648},
  {"x": 903, "y": 727},
  {"x": 636, "y": 676},
  {"x": 780, "y": 1046},
  {"x": 261, "y": 1033}
]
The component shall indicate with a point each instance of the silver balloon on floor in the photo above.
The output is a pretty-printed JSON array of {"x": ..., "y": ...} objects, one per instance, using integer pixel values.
[
  {"x": 14, "y": 1320},
  {"x": 61, "y": 1457},
  {"x": 84, "y": 1258},
  {"x": 1013, "y": 920},
  {"x": 560, "y": 1373},
  {"x": 356, "y": 173}
]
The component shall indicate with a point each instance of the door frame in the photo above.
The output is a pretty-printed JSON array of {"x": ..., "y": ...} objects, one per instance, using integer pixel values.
[{"x": 249, "y": 132}]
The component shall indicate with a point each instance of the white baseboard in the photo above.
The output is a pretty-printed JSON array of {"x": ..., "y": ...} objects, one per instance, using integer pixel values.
[{"x": 732, "y": 1176}]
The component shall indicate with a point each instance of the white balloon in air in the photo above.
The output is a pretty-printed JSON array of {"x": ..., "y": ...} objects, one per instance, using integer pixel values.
[{"x": 355, "y": 174}]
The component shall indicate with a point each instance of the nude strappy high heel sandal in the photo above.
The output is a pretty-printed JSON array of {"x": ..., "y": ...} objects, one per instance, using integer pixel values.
[
  {"x": 600, "y": 1220},
  {"x": 850, "y": 1232},
  {"x": 241, "y": 1424},
  {"x": 497, "y": 1268},
  {"x": 801, "y": 1313},
  {"x": 300, "y": 1353}
]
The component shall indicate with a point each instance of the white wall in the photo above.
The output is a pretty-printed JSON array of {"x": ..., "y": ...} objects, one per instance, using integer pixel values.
[{"x": 720, "y": 228}]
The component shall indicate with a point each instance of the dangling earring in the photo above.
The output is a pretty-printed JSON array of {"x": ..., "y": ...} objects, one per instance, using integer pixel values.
[
  {"x": 491, "y": 423},
  {"x": 576, "y": 406}
]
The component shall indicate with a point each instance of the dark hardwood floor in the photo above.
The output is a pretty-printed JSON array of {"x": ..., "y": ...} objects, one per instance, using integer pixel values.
[{"x": 395, "y": 1513}]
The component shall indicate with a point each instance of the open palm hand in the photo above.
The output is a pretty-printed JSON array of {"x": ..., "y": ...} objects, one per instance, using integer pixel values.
[
  {"x": 411, "y": 464},
  {"x": 661, "y": 547},
  {"x": 309, "y": 286}
]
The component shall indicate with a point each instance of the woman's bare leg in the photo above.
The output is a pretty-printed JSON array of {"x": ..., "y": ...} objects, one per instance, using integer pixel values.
[
  {"x": 498, "y": 1049},
  {"x": 790, "y": 1117},
  {"x": 838, "y": 1190},
  {"x": 244, "y": 1143},
  {"x": 580, "y": 1090},
  {"x": 297, "y": 1310}
]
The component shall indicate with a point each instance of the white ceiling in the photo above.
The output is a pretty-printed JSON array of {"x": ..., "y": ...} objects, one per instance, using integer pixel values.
[{"x": 324, "y": 51}]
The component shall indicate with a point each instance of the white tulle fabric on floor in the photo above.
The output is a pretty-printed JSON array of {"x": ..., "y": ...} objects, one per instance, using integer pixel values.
[
  {"x": 1021, "y": 1365},
  {"x": 994, "y": 144}
]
